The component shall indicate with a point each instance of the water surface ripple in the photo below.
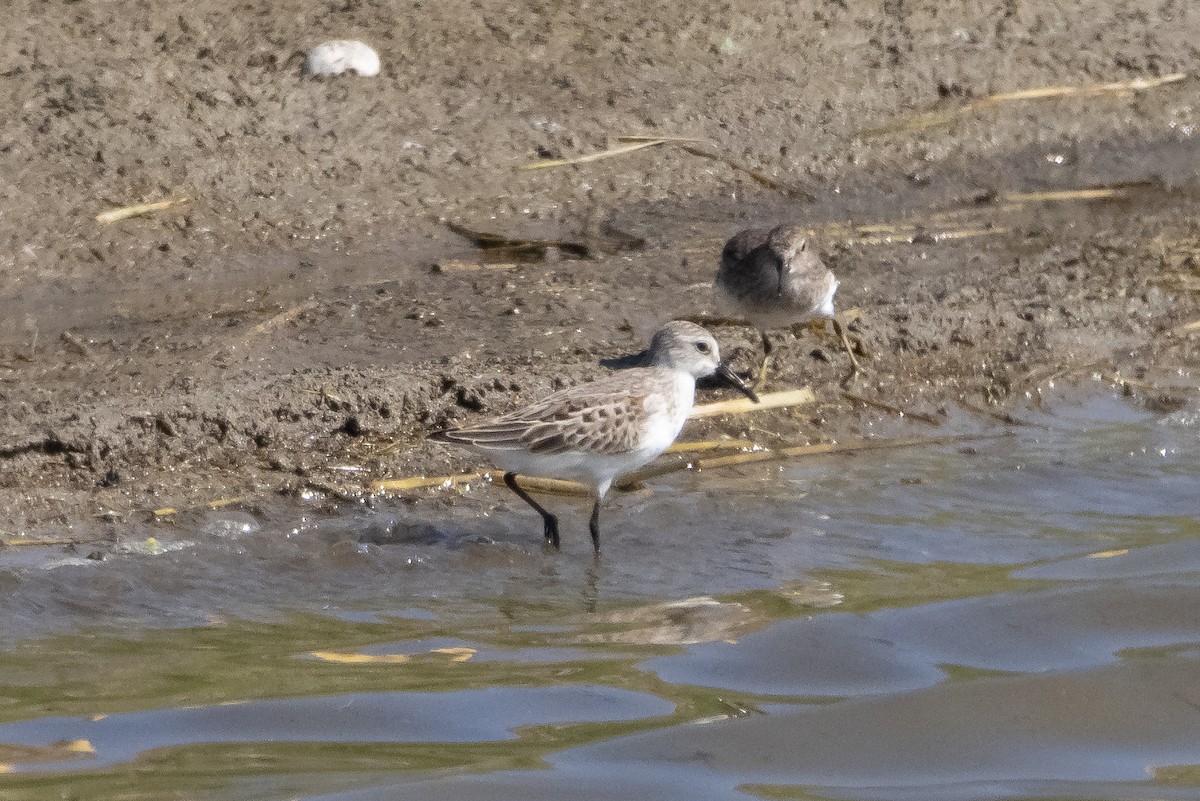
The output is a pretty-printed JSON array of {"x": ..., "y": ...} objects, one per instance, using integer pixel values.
[{"x": 1012, "y": 619}]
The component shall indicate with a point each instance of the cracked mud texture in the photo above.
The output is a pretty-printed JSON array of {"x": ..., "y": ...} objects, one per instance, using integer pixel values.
[{"x": 287, "y": 330}]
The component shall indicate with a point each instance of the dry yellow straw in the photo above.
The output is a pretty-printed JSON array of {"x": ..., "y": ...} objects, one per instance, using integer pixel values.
[
  {"x": 532, "y": 483},
  {"x": 423, "y": 482},
  {"x": 704, "y": 446},
  {"x": 796, "y": 451},
  {"x": 460, "y": 266},
  {"x": 758, "y": 175},
  {"x": 603, "y": 154},
  {"x": 137, "y": 210},
  {"x": 1062, "y": 194},
  {"x": 1118, "y": 87},
  {"x": 44, "y": 541},
  {"x": 772, "y": 400},
  {"x": 936, "y": 236},
  {"x": 549, "y": 485},
  {"x": 930, "y": 120},
  {"x": 554, "y": 486},
  {"x": 224, "y": 502},
  {"x": 687, "y": 144},
  {"x": 167, "y": 511},
  {"x": 1188, "y": 328},
  {"x": 712, "y": 463},
  {"x": 650, "y": 138},
  {"x": 284, "y": 317},
  {"x": 891, "y": 408},
  {"x": 816, "y": 450}
]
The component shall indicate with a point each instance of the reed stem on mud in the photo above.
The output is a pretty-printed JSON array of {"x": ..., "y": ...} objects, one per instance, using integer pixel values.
[
  {"x": 620, "y": 150},
  {"x": 553, "y": 486},
  {"x": 707, "y": 445},
  {"x": 653, "y": 138},
  {"x": 1189, "y": 328},
  {"x": 220, "y": 503},
  {"x": 771, "y": 400},
  {"x": 45, "y": 541},
  {"x": 1058, "y": 195},
  {"x": 758, "y": 176},
  {"x": 558, "y": 486},
  {"x": 284, "y": 317},
  {"x": 425, "y": 482},
  {"x": 891, "y": 409},
  {"x": 138, "y": 209},
  {"x": 793, "y": 452},
  {"x": 933, "y": 119},
  {"x": 632, "y": 143},
  {"x": 461, "y": 266}
]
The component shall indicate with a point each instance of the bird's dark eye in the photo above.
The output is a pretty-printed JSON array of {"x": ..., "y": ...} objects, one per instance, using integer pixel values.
[{"x": 703, "y": 347}]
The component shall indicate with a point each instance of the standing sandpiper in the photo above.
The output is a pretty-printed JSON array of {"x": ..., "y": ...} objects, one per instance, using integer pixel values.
[
  {"x": 595, "y": 432},
  {"x": 774, "y": 278}
]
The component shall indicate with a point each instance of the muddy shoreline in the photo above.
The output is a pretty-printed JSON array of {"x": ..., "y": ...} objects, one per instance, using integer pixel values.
[{"x": 296, "y": 329}]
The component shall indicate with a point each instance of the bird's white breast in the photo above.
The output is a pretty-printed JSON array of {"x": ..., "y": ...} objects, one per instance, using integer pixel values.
[{"x": 666, "y": 413}]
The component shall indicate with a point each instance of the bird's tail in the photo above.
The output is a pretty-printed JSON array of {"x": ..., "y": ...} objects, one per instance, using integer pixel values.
[{"x": 445, "y": 435}]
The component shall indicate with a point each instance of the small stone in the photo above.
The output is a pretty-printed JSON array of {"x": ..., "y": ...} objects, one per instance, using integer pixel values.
[{"x": 343, "y": 55}]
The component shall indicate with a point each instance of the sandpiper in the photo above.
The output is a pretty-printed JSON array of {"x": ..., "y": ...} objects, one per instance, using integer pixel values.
[
  {"x": 595, "y": 432},
  {"x": 775, "y": 278}
]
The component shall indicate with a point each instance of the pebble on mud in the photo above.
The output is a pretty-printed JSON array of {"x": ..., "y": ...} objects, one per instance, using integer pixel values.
[{"x": 342, "y": 55}]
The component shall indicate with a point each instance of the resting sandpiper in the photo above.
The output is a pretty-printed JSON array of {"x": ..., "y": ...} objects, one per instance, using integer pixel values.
[{"x": 775, "y": 278}]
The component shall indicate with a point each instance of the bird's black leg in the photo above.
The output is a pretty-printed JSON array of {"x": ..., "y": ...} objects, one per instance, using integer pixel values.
[
  {"x": 762, "y": 370},
  {"x": 841, "y": 332},
  {"x": 551, "y": 528},
  {"x": 594, "y": 526}
]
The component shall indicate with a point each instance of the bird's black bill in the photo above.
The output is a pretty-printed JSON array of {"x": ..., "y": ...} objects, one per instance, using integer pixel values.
[{"x": 731, "y": 378}]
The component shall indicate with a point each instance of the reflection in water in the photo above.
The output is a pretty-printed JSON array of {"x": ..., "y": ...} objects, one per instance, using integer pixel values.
[{"x": 1015, "y": 619}]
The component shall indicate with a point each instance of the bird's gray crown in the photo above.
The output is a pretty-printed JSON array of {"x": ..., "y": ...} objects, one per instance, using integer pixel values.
[{"x": 685, "y": 346}]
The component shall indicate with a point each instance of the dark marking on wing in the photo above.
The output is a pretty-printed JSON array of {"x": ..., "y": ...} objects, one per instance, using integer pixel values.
[{"x": 604, "y": 417}]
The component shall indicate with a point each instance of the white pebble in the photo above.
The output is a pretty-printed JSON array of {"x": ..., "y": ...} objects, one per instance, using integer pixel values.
[{"x": 343, "y": 55}]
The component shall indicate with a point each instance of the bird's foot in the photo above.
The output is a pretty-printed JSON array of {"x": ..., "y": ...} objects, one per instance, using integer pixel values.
[
  {"x": 855, "y": 369},
  {"x": 760, "y": 380},
  {"x": 551, "y": 532}
]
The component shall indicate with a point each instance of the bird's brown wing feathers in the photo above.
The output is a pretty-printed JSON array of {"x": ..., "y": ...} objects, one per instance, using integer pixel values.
[{"x": 605, "y": 417}]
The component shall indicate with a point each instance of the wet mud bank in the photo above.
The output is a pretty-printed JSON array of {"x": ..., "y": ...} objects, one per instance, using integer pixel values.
[{"x": 298, "y": 327}]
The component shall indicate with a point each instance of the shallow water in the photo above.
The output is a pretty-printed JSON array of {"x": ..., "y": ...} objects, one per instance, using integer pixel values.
[{"x": 1008, "y": 618}]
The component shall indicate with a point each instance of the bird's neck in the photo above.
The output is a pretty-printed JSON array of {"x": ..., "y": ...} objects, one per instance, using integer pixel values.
[{"x": 687, "y": 389}]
